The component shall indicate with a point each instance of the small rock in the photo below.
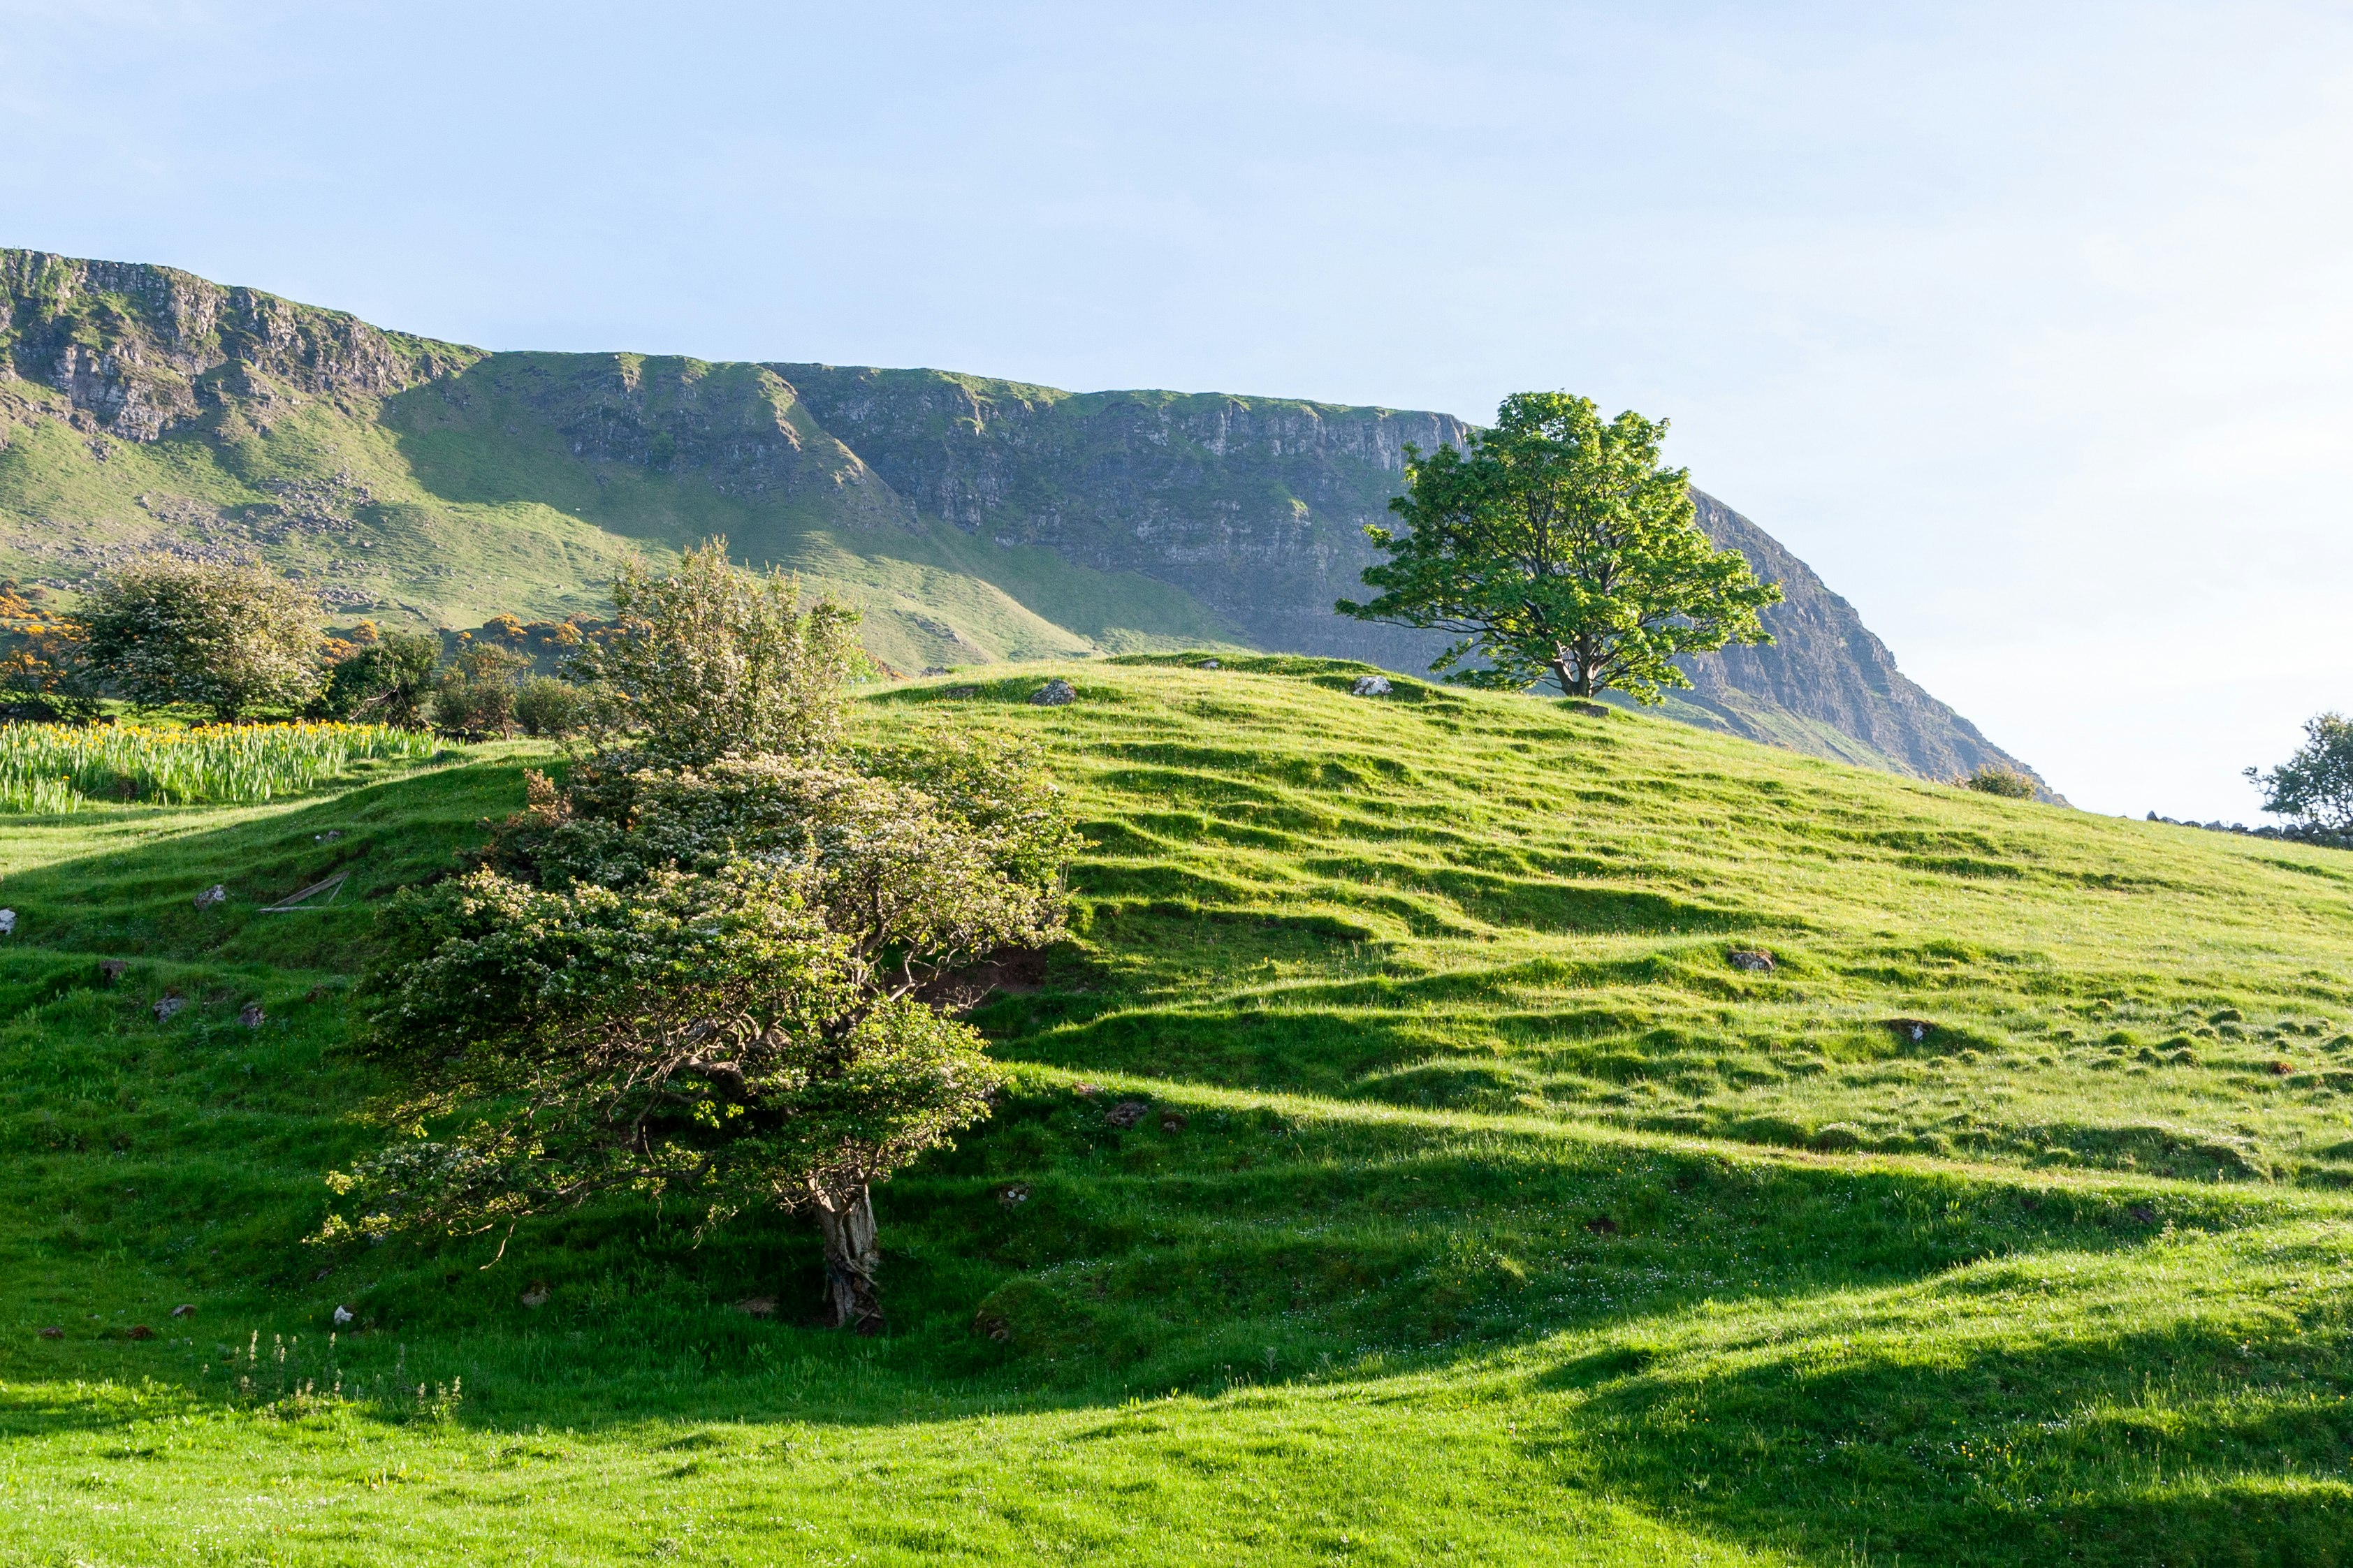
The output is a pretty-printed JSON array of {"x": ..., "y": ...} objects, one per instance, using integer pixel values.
[
  {"x": 1127, "y": 1113},
  {"x": 961, "y": 693},
  {"x": 1589, "y": 709},
  {"x": 168, "y": 1007},
  {"x": 139, "y": 1332},
  {"x": 251, "y": 1015},
  {"x": 1911, "y": 1028},
  {"x": 110, "y": 969},
  {"x": 322, "y": 1273},
  {"x": 1013, "y": 1194},
  {"x": 1602, "y": 1225},
  {"x": 185, "y": 1309},
  {"x": 8, "y": 922},
  {"x": 1755, "y": 959},
  {"x": 1086, "y": 1091},
  {"x": 1211, "y": 664},
  {"x": 2142, "y": 1214},
  {"x": 757, "y": 1306},
  {"x": 1172, "y": 1122},
  {"x": 53, "y": 1333},
  {"x": 2280, "y": 1070},
  {"x": 535, "y": 1297},
  {"x": 216, "y": 894},
  {"x": 1055, "y": 693},
  {"x": 343, "y": 1315},
  {"x": 327, "y": 838},
  {"x": 1370, "y": 686},
  {"x": 992, "y": 1326}
]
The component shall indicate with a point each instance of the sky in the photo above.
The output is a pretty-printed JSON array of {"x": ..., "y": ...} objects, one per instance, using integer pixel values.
[{"x": 2029, "y": 326}]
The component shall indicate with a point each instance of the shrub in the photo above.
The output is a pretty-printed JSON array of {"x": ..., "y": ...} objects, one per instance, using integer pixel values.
[
  {"x": 546, "y": 706},
  {"x": 389, "y": 681},
  {"x": 718, "y": 966},
  {"x": 1992, "y": 778},
  {"x": 709, "y": 660},
  {"x": 475, "y": 697},
  {"x": 229, "y": 636}
]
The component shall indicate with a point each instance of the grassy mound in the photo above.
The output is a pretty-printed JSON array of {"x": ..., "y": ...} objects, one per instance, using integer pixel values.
[{"x": 1402, "y": 1167}]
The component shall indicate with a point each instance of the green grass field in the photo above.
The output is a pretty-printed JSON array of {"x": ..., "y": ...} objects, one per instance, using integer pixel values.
[{"x": 1484, "y": 1210}]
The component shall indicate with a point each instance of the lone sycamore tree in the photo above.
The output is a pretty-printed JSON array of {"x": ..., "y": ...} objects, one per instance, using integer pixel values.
[
  {"x": 1559, "y": 547},
  {"x": 720, "y": 965}
]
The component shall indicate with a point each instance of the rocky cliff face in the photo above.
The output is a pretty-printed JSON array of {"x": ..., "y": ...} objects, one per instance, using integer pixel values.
[
  {"x": 142, "y": 407},
  {"x": 1825, "y": 666},
  {"x": 138, "y": 350},
  {"x": 1254, "y": 506}
]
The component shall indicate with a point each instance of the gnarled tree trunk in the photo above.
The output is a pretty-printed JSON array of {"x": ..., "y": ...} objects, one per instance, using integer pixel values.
[{"x": 851, "y": 1260}]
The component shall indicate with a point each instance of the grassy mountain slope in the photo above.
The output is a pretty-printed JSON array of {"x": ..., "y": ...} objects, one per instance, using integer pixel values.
[
  {"x": 412, "y": 481},
  {"x": 1484, "y": 1210},
  {"x": 977, "y": 520}
]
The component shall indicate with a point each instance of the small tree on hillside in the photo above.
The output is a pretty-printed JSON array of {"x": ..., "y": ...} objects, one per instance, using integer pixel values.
[
  {"x": 228, "y": 637},
  {"x": 2315, "y": 785},
  {"x": 475, "y": 696},
  {"x": 710, "y": 659},
  {"x": 1557, "y": 546},
  {"x": 719, "y": 981},
  {"x": 388, "y": 680},
  {"x": 547, "y": 707}
]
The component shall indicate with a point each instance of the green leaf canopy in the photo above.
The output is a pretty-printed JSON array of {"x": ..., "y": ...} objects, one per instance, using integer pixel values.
[{"x": 1559, "y": 547}]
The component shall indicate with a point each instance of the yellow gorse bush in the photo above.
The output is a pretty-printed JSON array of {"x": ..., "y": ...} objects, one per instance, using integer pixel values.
[{"x": 57, "y": 767}]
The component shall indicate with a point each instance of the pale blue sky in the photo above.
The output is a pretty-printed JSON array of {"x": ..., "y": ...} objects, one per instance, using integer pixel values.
[{"x": 2027, "y": 325}]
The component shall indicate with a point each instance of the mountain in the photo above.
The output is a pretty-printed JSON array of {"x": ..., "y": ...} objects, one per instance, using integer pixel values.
[{"x": 975, "y": 520}]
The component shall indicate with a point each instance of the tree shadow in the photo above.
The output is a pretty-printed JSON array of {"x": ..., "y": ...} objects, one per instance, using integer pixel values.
[{"x": 2157, "y": 1412}]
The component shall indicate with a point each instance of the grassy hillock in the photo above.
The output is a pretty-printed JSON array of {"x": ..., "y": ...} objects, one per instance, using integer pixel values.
[{"x": 1480, "y": 1208}]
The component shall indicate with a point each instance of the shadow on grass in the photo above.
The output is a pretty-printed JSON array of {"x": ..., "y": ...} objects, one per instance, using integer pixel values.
[
  {"x": 1058, "y": 1260},
  {"x": 140, "y": 901},
  {"x": 2158, "y": 1413}
]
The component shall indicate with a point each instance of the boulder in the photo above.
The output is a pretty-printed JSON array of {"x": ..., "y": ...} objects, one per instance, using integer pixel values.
[
  {"x": 1754, "y": 959},
  {"x": 1370, "y": 686},
  {"x": 168, "y": 1005},
  {"x": 1127, "y": 1113},
  {"x": 216, "y": 894},
  {"x": 1055, "y": 693},
  {"x": 251, "y": 1015}
]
